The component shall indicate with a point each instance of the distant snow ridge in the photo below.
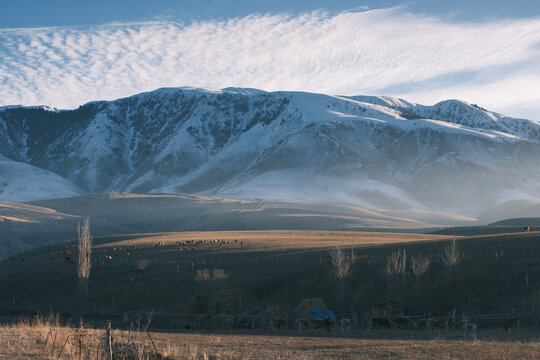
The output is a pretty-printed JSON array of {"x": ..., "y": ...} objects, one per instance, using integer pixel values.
[{"x": 376, "y": 152}]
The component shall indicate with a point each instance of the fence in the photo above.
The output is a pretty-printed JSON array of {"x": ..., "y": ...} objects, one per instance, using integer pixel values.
[{"x": 165, "y": 320}]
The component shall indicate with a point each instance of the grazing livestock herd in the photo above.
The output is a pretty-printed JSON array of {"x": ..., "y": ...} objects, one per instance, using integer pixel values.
[
  {"x": 191, "y": 244},
  {"x": 120, "y": 252}
]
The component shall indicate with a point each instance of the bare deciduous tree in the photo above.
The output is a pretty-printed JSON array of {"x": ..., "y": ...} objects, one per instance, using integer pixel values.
[
  {"x": 451, "y": 255},
  {"x": 396, "y": 265},
  {"x": 419, "y": 264},
  {"x": 142, "y": 264},
  {"x": 84, "y": 261},
  {"x": 341, "y": 268}
]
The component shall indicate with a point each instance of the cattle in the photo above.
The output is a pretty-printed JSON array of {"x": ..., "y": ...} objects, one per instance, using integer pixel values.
[
  {"x": 433, "y": 323},
  {"x": 440, "y": 323},
  {"x": 346, "y": 323},
  {"x": 303, "y": 323},
  {"x": 424, "y": 323},
  {"x": 67, "y": 256},
  {"x": 325, "y": 323},
  {"x": 467, "y": 326},
  {"x": 511, "y": 323},
  {"x": 278, "y": 323},
  {"x": 402, "y": 322},
  {"x": 380, "y": 323},
  {"x": 244, "y": 323},
  {"x": 471, "y": 327}
]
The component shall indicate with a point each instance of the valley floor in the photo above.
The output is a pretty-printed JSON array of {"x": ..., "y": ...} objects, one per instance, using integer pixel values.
[{"x": 44, "y": 340}]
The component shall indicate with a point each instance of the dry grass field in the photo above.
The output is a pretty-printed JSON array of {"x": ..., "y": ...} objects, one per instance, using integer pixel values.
[
  {"x": 47, "y": 339},
  {"x": 272, "y": 239},
  {"x": 161, "y": 272}
]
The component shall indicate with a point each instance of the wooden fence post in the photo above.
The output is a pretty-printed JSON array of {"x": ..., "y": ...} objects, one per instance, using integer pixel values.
[{"x": 109, "y": 338}]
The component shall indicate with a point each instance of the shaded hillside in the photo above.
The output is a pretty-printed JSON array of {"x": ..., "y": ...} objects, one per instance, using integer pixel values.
[
  {"x": 26, "y": 226},
  {"x": 516, "y": 226}
]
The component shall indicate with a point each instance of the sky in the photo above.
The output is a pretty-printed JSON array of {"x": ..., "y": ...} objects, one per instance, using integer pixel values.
[{"x": 64, "y": 53}]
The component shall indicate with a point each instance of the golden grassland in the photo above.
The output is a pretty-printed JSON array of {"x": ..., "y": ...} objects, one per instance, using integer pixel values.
[
  {"x": 48, "y": 339},
  {"x": 275, "y": 239}
]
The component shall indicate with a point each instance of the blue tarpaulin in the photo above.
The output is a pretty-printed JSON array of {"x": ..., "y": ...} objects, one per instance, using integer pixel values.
[{"x": 321, "y": 314}]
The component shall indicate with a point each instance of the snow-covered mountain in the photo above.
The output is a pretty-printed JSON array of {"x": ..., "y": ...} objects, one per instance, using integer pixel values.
[{"x": 375, "y": 152}]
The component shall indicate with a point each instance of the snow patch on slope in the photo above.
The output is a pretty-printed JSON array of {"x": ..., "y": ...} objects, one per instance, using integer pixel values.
[{"x": 23, "y": 182}]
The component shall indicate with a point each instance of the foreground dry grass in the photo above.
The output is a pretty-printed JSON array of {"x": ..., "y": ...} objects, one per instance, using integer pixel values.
[{"x": 40, "y": 339}]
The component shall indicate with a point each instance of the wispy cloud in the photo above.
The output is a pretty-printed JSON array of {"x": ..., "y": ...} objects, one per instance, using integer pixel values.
[{"x": 385, "y": 52}]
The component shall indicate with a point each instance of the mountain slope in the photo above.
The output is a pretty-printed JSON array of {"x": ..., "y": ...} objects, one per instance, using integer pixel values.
[{"x": 375, "y": 152}]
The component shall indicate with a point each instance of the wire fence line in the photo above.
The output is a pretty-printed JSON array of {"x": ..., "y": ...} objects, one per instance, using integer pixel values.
[{"x": 166, "y": 320}]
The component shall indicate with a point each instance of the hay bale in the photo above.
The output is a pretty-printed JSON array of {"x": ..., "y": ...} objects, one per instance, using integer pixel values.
[
  {"x": 302, "y": 310},
  {"x": 230, "y": 301}
]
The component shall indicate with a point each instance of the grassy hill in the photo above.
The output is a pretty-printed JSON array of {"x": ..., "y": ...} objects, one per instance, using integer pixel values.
[
  {"x": 514, "y": 225},
  {"x": 24, "y": 226},
  {"x": 163, "y": 271}
]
